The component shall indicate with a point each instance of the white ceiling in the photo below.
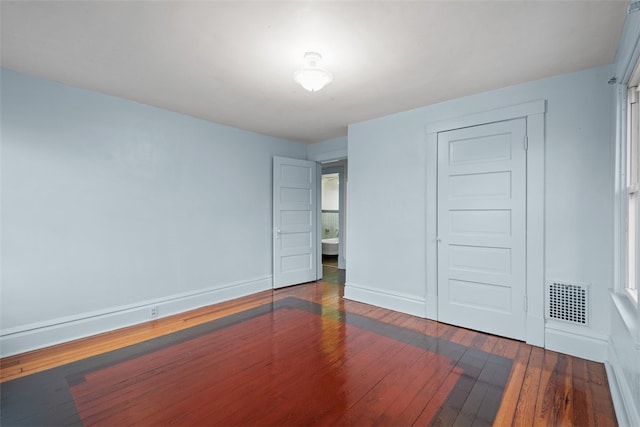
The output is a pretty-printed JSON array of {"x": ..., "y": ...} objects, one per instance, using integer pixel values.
[{"x": 232, "y": 62}]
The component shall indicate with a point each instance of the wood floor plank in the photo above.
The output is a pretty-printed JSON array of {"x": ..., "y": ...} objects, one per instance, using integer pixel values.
[
  {"x": 528, "y": 400},
  {"x": 547, "y": 391},
  {"x": 603, "y": 414},
  {"x": 443, "y": 381},
  {"x": 583, "y": 413},
  {"x": 565, "y": 411},
  {"x": 511, "y": 395},
  {"x": 421, "y": 389}
]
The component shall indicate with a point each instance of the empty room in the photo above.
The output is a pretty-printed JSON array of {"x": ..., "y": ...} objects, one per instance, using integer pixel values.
[{"x": 298, "y": 213}]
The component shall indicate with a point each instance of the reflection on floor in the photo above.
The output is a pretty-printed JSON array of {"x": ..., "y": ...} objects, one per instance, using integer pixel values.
[{"x": 330, "y": 271}]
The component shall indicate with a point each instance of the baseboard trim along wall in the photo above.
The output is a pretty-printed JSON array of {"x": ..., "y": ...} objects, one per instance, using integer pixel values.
[
  {"x": 44, "y": 334},
  {"x": 623, "y": 354},
  {"x": 627, "y": 412},
  {"x": 586, "y": 345},
  {"x": 404, "y": 303}
]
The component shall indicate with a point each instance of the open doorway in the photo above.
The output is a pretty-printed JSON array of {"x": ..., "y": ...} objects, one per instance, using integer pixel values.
[{"x": 333, "y": 224}]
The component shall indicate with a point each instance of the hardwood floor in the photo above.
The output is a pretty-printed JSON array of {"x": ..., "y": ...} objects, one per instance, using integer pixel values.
[
  {"x": 330, "y": 271},
  {"x": 301, "y": 356}
]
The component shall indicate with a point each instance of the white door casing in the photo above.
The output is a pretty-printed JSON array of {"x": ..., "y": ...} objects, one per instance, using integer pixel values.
[
  {"x": 481, "y": 230},
  {"x": 341, "y": 170},
  {"x": 294, "y": 221}
]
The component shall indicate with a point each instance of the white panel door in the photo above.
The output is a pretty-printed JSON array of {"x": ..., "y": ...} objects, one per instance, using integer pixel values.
[
  {"x": 482, "y": 227},
  {"x": 294, "y": 221}
]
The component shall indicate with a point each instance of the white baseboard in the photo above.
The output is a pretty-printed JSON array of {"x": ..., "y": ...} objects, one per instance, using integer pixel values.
[
  {"x": 403, "y": 303},
  {"x": 626, "y": 407},
  {"x": 43, "y": 334},
  {"x": 584, "y": 344}
]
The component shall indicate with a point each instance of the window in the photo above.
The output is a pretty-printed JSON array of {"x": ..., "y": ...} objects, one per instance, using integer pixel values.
[{"x": 633, "y": 188}]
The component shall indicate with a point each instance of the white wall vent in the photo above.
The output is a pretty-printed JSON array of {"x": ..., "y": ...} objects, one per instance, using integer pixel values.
[{"x": 568, "y": 302}]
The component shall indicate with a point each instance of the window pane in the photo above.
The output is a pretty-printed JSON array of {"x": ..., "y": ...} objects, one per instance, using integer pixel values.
[
  {"x": 632, "y": 137},
  {"x": 633, "y": 197},
  {"x": 632, "y": 240}
]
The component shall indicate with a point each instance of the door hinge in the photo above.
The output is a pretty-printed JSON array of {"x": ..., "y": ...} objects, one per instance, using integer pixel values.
[
  {"x": 526, "y": 303},
  {"x": 526, "y": 143}
]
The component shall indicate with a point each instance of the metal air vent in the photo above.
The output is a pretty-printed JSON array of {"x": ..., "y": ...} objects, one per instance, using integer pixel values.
[{"x": 568, "y": 302}]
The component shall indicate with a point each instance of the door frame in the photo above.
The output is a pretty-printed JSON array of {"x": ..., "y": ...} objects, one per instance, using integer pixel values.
[
  {"x": 340, "y": 169},
  {"x": 533, "y": 112}
]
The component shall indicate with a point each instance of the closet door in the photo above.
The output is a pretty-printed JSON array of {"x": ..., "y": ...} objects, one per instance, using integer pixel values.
[{"x": 482, "y": 227}]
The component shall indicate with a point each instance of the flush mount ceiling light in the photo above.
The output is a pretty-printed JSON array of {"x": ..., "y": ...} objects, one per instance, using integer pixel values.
[{"x": 312, "y": 77}]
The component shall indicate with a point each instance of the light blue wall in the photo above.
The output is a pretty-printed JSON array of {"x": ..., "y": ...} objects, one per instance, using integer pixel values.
[
  {"x": 108, "y": 203},
  {"x": 329, "y": 150},
  {"x": 387, "y": 211}
]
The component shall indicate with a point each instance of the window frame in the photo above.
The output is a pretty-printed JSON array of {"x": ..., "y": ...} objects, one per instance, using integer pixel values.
[{"x": 632, "y": 188}]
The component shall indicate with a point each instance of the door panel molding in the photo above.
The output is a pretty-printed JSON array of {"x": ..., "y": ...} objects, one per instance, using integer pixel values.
[{"x": 533, "y": 112}]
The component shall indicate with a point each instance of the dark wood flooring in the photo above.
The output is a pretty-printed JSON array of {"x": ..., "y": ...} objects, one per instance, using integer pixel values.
[
  {"x": 301, "y": 356},
  {"x": 330, "y": 271}
]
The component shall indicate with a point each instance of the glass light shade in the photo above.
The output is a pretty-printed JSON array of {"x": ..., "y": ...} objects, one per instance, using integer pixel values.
[{"x": 313, "y": 79}]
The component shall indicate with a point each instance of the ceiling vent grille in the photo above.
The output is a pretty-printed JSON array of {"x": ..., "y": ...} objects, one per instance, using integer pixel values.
[{"x": 568, "y": 302}]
